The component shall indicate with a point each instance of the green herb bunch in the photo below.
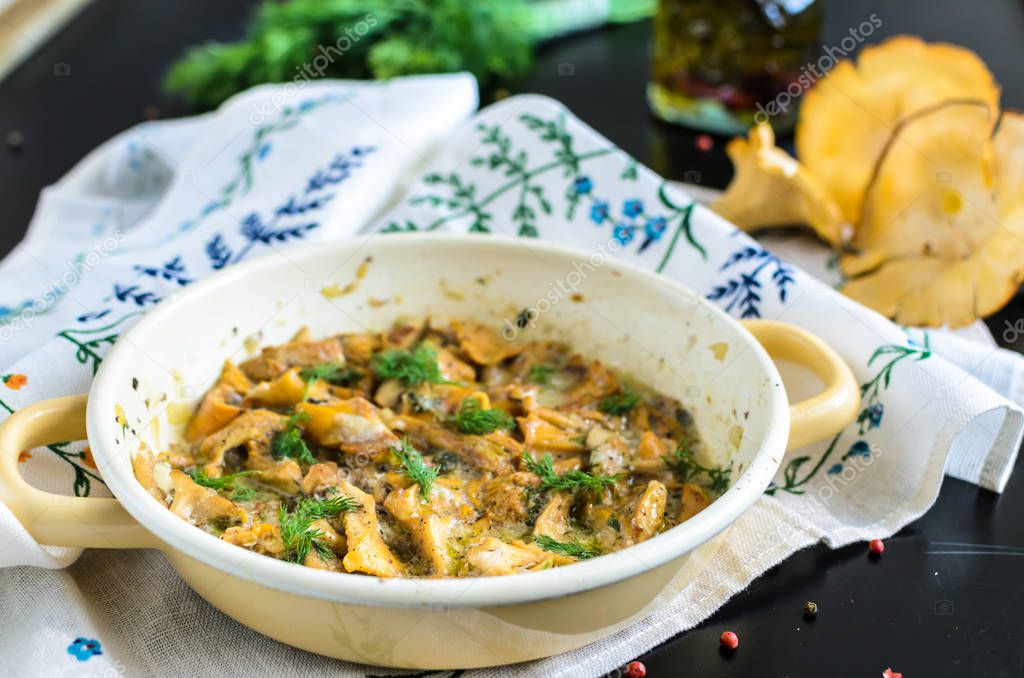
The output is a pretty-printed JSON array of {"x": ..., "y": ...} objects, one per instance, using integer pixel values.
[
  {"x": 689, "y": 470},
  {"x": 413, "y": 466},
  {"x": 619, "y": 403},
  {"x": 297, "y": 532},
  {"x": 411, "y": 368},
  {"x": 573, "y": 549},
  {"x": 301, "y": 39},
  {"x": 570, "y": 480},
  {"x": 473, "y": 419},
  {"x": 288, "y": 443},
  {"x": 225, "y": 482}
]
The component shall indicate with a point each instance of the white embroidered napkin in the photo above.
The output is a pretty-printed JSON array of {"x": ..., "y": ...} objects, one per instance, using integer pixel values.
[{"x": 169, "y": 202}]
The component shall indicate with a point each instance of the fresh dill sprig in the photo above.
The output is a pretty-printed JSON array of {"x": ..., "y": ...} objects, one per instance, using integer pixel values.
[
  {"x": 333, "y": 373},
  {"x": 619, "y": 403},
  {"x": 288, "y": 443},
  {"x": 473, "y": 419},
  {"x": 297, "y": 532},
  {"x": 573, "y": 549},
  {"x": 688, "y": 469},
  {"x": 411, "y": 368},
  {"x": 541, "y": 374},
  {"x": 242, "y": 494},
  {"x": 570, "y": 480},
  {"x": 328, "y": 507},
  {"x": 226, "y": 482},
  {"x": 414, "y": 467}
]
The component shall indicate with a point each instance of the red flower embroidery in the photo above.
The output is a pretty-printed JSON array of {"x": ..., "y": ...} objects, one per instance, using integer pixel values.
[
  {"x": 87, "y": 458},
  {"x": 15, "y": 381},
  {"x": 24, "y": 456}
]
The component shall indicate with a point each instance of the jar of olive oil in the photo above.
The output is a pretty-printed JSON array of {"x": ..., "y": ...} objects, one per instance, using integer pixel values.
[{"x": 719, "y": 65}]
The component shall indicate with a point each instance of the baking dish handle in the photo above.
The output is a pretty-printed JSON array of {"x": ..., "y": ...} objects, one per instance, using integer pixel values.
[
  {"x": 822, "y": 415},
  {"x": 56, "y": 519}
]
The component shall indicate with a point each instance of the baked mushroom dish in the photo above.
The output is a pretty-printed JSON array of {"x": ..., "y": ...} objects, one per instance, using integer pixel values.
[{"x": 432, "y": 450}]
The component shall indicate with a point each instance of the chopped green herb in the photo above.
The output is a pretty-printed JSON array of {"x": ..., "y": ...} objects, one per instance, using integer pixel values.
[
  {"x": 570, "y": 480},
  {"x": 332, "y": 373},
  {"x": 242, "y": 494},
  {"x": 289, "y": 444},
  {"x": 541, "y": 374},
  {"x": 688, "y": 469},
  {"x": 414, "y": 467},
  {"x": 226, "y": 482},
  {"x": 573, "y": 549},
  {"x": 614, "y": 523},
  {"x": 473, "y": 419},
  {"x": 412, "y": 368},
  {"x": 328, "y": 507},
  {"x": 619, "y": 403},
  {"x": 297, "y": 533}
]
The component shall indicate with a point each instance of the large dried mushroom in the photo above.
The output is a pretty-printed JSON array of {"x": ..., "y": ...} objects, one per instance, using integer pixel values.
[{"x": 909, "y": 149}]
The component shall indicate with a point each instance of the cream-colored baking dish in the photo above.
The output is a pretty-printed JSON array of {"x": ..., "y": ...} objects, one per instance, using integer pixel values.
[{"x": 653, "y": 329}]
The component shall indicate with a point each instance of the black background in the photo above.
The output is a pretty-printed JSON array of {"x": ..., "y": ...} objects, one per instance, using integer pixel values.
[{"x": 922, "y": 613}]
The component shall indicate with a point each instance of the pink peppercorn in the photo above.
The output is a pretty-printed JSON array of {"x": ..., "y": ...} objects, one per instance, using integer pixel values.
[
  {"x": 729, "y": 640},
  {"x": 636, "y": 670},
  {"x": 876, "y": 546},
  {"x": 704, "y": 143}
]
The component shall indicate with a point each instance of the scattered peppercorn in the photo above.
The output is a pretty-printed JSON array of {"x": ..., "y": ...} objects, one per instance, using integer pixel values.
[
  {"x": 636, "y": 670},
  {"x": 704, "y": 143},
  {"x": 151, "y": 112},
  {"x": 889, "y": 673},
  {"x": 729, "y": 640},
  {"x": 876, "y": 546},
  {"x": 810, "y": 608}
]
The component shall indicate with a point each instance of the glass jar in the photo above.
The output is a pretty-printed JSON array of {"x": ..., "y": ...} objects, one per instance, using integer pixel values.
[{"x": 719, "y": 65}]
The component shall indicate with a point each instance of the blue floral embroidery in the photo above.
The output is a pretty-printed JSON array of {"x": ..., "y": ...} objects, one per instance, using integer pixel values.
[
  {"x": 172, "y": 271},
  {"x": 457, "y": 198},
  {"x": 623, "y": 233},
  {"x": 259, "y": 230},
  {"x": 873, "y": 414},
  {"x": 258, "y": 149},
  {"x": 743, "y": 292},
  {"x": 655, "y": 227},
  {"x": 870, "y": 417},
  {"x": 859, "y": 449},
  {"x": 134, "y": 294},
  {"x": 633, "y": 208},
  {"x": 84, "y": 649}
]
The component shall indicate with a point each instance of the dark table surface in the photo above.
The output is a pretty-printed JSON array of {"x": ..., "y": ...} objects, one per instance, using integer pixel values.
[{"x": 919, "y": 610}]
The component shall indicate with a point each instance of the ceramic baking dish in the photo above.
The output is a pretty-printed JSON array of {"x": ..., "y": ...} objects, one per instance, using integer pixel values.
[{"x": 643, "y": 324}]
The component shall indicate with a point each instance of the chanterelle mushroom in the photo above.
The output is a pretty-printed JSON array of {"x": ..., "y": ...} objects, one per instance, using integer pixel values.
[
  {"x": 847, "y": 119},
  {"x": 977, "y": 260},
  {"x": 770, "y": 188}
]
